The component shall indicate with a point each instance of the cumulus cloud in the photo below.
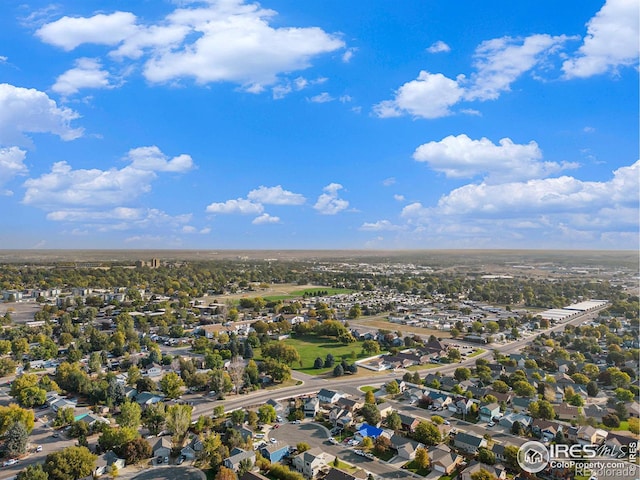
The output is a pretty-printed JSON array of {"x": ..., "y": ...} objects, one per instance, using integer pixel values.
[
  {"x": 65, "y": 190},
  {"x": 27, "y": 110},
  {"x": 611, "y": 41},
  {"x": 11, "y": 165},
  {"x": 240, "y": 205},
  {"x": 387, "y": 182},
  {"x": 380, "y": 225},
  {"x": 399, "y": 198},
  {"x": 87, "y": 73},
  {"x": 323, "y": 97},
  {"x": 275, "y": 196},
  {"x": 429, "y": 96},
  {"x": 501, "y": 61},
  {"x": 439, "y": 47},
  {"x": 461, "y": 157},
  {"x": 208, "y": 42},
  {"x": 329, "y": 202},
  {"x": 120, "y": 219},
  {"x": 153, "y": 160},
  {"x": 71, "y": 32},
  {"x": 265, "y": 218}
]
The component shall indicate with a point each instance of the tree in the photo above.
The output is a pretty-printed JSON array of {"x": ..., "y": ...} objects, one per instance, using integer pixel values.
[
  {"x": 130, "y": 415},
  {"x": 338, "y": 370},
  {"x": 329, "y": 361},
  {"x": 133, "y": 375},
  {"x": 482, "y": 474},
  {"x": 171, "y": 385},
  {"x": 524, "y": 389},
  {"x": 393, "y": 420},
  {"x": 592, "y": 388},
  {"x": 64, "y": 416},
  {"x": 178, "y": 421},
  {"x": 611, "y": 420},
  {"x": 70, "y": 463},
  {"x": 382, "y": 444},
  {"x": 454, "y": 355},
  {"x": 303, "y": 447},
  {"x": 115, "y": 437},
  {"x": 237, "y": 416},
  {"x": 634, "y": 425},
  {"x": 355, "y": 312},
  {"x": 267, "y": 414},
  {"x": 136, "y": 450},
  {"x": 318, "y": 363},
  {"x": 252, "y": 418},
  {"x": 427, "y": 433},
  {"x": 462, "y": 374},
  {"x": 145, "y": 384},
  {"x": 486, "y": 456},
  {"x": 422, "y": 458},
  {"x": 500, "y": 386},
  {"x": 370, "y": 347},
  {"x": 33, "y": 472},
  {"x": 369, "y": 397},
  {"x": 15, "y": 440},
  {"x": 14, "y": 413},
  {"x": 511, "y": 457},
  {"x": 371, "y": 414},
  {"x": 235, "y": 369},
  {"x": 392, "y": 387},
  {"x": 225, "y": 473},
  {"x": 542, "y": 409},
  {"x": 154, "y": 417}
]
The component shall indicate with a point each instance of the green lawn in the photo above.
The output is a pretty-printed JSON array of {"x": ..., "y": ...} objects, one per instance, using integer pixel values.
[
  {"x": 413, "y": 467},
  {"x": 476, "y": 353},
  {"x": 310, "y": 347},
  {"x": 368, "y": 388},
  {"x": 309, "y": 292}
]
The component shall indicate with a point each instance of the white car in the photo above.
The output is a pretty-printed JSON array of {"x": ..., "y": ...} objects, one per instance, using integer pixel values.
[
  {"x": 8, "y": 463},
  {"x": 39, "y": 448},
  {"x": 491, "y": 424},
  {"x": 273, "y": 440}
]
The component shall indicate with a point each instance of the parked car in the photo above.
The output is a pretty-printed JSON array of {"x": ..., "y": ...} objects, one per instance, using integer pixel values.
[
  {"x": 8, "y": 463},
  {"x": 181, "y": 460},
  {"x": 166, "y": 459},
  {"x": 39, "y": 448},
  {"x": 159, "y": 460},
  {"x": 491, "y": 424}
]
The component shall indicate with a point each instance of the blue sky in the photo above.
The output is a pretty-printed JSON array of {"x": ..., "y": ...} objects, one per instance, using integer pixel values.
[{"x": 319, "y": 125}]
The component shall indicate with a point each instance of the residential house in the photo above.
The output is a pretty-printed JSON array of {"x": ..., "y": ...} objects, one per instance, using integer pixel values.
[
  {"x": 311, "y": 407},
  {"x": 105, "y": 463},
  {"x": 194, "y": 447},
  {"x": 408, "y": 422},
  {"x": 447, "y": 383},
  {"x": 367, "y": 430},
  {"x": 309, "y": 463},
  {"x": 510, "y": 419},
  {"x": 520, "y": 404},
  {"x": 349, "y": 404},
  {"x": 236, "y": 456},
  {"x": 244, "y": 432},
  {"x": 594, "y": 411},
  {"x": 274, "y": 452},
  {"x": 463, "y": 406},
  {"x": 545, "y": 429},
  {"x": 413, "y": 395},
  {"x": 444, "y": 460},
  {"x": 162, "y": 447},
  {"x": 275, "y": 404},
  {"x": 567, "y": 412},
  {"x": 91, "y": 419},
  {"x": 497, "y": 471},
  {"x": 385, "y": 409},
  {"x": 145, "y": 399},
  {"x": 329, "y": 396},
  {"x": 440, "y": 400},
  {"x": 335, "y": 474},
  {"x": 501, "y": 397},
  {"x": 405, "y": 447},
  {"x": 489, "y": 411},
  {"x": 154, "y": 370},
  {"x": 498, "y": 451},
  {"x": 252, "y": 476},
  {"x": 589, "y": 435},
  {"x": 469, "y": 442}
]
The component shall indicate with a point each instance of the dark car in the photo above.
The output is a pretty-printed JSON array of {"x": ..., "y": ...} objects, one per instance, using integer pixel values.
[
  {"x": 181, "y": 460},
  {"x": 159, "y": 459}
]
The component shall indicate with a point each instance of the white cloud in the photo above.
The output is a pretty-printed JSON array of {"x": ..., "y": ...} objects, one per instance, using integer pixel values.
[
  {"x": 429, "y": 96},
  {"x": 387, "y": 182},
  {"x": 380, "y": 225},
  {"x": 399, "y": 198},
  {"x": 461, "y": 157},
  {"x": 189, "y": 229},
  {"x": 27, "y": 110},
  {"x": 70, "y": 32},
  {"x": 3, "y": 59},
  {"x": 265, "y": 218},
  {"x": 153, "y": 160},
  {"x": 205, "y": 231},
  {"x": 208, "y": 42},
  {"x": 86, "y": 74},
  {"x": 275, "y": 196},
  {"x": 439, "y": 47},
  {"x": 67, "y": 193},
  {"x": 348, "y": 54},
  {"x": 121, "y": 219},
  {"x": 501, "y": 61},
  {"x": 240, "y": 205},
  {"x": 323, "y": 97},
  {"x": 329, "y": 203},
  {"x": 611, "y": 41},
  {"x": 11, "y": 165}
]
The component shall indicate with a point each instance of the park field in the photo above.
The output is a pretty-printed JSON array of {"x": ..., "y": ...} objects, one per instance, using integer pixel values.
[
  {"x": 312, "y": 291},
  {"x": 310, "y": 347}
]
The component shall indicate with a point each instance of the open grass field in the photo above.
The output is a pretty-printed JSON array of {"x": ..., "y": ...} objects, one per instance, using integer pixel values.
[
  {"x": 309, "y": 291},
  {"x": 311, "y": 347},
  {"x": 380, "y": 322}
]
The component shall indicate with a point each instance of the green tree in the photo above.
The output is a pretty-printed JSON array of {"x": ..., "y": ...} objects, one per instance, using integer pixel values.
[
  {"x": 454, "y": 355},
  {"x": 370, "y": 413},
  {"x": 130, "y": 415},
  {"x": 237, "y": 416},
  {"x": 422, "y": 458},
  {"x": 393, "y": 420},
  {"x": 370, "y": 347},
  {"x": 482, "y": 474},
  {"x": 136, "y": 450},
  {"x": 33, "y": 472},
  {"x": 15, "y": 440},
  {"x": 267, "y": 414},
  {"x": 70, "y": 463},
  {"x": 115, "y": 437},
  {"x": 171, "y": 385},
  {"x": 64, "y": 417},
  {"x": 178, "y": 421},
  {"x": 462, "y": 374},
  {"x": 500, "y": 386},
  {"x": 133, "y": 375},
  {"x": 427, "y": 433},
  {"x": 511, "y": 457},
  {"x": 14, "y": 413},
  {"x": 369, "y": 397},
  {"x": 303, "y": 447},
  {"x": 392, "y": 387},
  {"x": 486, "y": 456}
]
